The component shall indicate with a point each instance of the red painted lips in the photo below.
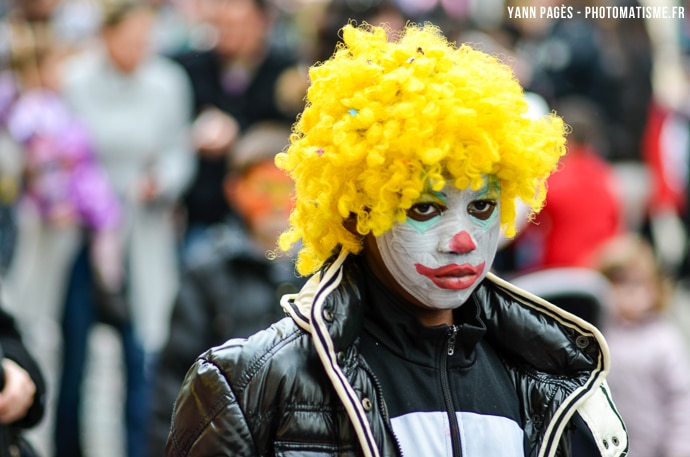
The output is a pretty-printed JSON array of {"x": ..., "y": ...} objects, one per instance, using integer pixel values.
[{"x": 453, "y": 276}]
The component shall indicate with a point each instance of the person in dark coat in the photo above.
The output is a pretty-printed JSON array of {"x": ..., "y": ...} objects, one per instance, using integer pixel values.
[
  {"x": 232, "y": 285},
  {"x": 235, "y": 84}
]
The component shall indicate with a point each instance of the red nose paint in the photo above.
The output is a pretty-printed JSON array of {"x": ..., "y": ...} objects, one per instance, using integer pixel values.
[{"x": 462, "y": 243}]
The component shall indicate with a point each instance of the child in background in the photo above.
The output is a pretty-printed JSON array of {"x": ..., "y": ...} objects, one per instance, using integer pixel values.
[
  {"x": 650, "y": 364},
  {"x": 61, "y": 176},
  {"x": 233, "y": 282},
  {"x": 62, "y": 191}
]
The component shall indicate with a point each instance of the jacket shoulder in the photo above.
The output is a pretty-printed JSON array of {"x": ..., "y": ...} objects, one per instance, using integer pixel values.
[
  {"x": 214, "y": 408},
  {"x": 535, "y": 331},
  {"x": 242, "y": 359},
  {"x": 235, "y": 395}
]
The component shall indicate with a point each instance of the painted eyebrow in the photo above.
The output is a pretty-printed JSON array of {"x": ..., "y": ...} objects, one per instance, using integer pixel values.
[
  {"x": 432, "y": 197},
  {"x": 489, "y": 191}
]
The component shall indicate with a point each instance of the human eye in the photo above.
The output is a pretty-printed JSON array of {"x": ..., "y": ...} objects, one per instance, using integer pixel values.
[
  {"x": 481, "y": 209},
  {"x": 424, "y": 211}
]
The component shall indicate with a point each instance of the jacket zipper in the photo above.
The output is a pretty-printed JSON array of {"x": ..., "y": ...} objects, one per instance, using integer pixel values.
[{"x": 445, "y": 391}]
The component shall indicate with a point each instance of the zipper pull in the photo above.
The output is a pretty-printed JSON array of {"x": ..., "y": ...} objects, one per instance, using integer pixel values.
[{"x": 452, "y": 333}]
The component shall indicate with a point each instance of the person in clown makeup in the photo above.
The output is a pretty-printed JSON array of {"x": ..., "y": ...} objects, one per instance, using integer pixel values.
[{"x": 408, "y": 161}]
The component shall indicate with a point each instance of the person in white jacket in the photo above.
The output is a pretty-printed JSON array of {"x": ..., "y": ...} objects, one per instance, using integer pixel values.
[{"x": 136, "y": 106}]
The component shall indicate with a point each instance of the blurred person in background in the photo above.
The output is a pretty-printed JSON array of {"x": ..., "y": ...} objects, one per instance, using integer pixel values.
[
  {"x": 11, "y": 163},
  {"x": 339, "y": 12},
  {"x": 234, "y": 85},
  {"x": 607, "y": 61},
  {"x": 233, "y": 289},
  {"x": 650, "y": 362},
  {"x": 564, "y": 233},
  {"x": 36, "y": 14},
  {"x": 667, "y": 158},
  {"x": 665, "y": 217},
  {"x": 10, "y": 178},
  {"x": 23, "y": 389},
  {"x": 61, "y": 190},
  {"x": 135, "y": 105}
]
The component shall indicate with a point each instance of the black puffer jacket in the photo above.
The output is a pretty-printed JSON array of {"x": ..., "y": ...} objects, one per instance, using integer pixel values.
[{"x": 301, "y": 388}]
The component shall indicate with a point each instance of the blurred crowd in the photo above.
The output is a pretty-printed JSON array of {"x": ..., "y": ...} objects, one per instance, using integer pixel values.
[{"x": 137, "y": 184}]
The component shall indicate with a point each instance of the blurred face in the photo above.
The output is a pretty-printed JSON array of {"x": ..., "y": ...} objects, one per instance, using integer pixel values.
[
  {"x": 36, "y": 10},
  {"x": 241, "y": 26},
  {"x": 635, "y": 291},
  {"x": 263, "y": 196},
  {"x": 128, "y": 42},
  {"x": 446, "y": 246}
]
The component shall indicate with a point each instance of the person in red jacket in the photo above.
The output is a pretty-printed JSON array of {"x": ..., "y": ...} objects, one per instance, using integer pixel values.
[{"x": 583, "y": 207}]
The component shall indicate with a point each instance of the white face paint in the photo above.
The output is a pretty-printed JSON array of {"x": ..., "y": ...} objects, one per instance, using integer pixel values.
[{"x": 440, "y": 254}]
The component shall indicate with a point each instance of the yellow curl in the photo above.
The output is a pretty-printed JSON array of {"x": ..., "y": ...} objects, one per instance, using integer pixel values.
[{"x": 384, "y": 120}]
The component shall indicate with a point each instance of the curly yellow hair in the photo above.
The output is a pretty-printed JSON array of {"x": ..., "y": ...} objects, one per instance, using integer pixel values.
[{"x": 385, "y": 120}]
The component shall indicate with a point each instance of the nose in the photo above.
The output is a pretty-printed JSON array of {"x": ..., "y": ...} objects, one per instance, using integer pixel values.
[{"x": 461, "y": 243}]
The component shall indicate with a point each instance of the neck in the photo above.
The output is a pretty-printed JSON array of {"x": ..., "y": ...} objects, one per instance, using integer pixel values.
[
  {"x": 429, "y": 317},
  {"x": 434, "y": 317}
]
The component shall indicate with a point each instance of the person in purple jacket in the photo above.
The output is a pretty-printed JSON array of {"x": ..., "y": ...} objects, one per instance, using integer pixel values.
[
  {"x": 62, "y": 177},
  {"x": 62, "y": 193}
]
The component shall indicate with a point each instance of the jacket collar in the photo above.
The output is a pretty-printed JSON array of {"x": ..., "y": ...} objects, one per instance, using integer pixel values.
[
  {"x": 393, "y": 323},
  {"x": 314, "y": 309},
  {"x": 333, "y": 294},
  {"x": 518, "y": 323},
  {"x": 539, "y": 333}
]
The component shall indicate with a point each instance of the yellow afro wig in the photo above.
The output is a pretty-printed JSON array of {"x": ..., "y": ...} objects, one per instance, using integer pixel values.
[{"x": 385, "y": 120}]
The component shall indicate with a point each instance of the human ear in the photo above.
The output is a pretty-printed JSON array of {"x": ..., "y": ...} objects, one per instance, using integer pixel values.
[{"x": 350, "y": 224}]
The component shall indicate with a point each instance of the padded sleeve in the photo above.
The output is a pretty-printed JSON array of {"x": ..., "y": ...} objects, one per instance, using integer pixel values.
[{"x": 207, "y": 419}]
